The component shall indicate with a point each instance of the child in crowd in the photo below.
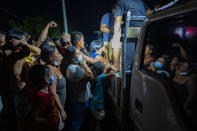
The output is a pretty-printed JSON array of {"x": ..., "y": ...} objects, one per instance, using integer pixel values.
[
  {"x": 45, "y": 114},
  {"x": 97, "y": 102}
]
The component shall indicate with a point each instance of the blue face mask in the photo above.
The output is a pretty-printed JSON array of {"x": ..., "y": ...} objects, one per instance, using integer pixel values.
[
  {"x": 158, "y": 65},
  {"x": 52, "y": 80},
  {"x": 79, "y": 59},
  {"x": 56, "y": 63},
  {"x": 183, "y": 73}
]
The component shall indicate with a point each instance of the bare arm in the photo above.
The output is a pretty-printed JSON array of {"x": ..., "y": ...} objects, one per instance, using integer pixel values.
[
  {"x": 44, "y": 32},
  {"x": 182, "y": 51},
  {"x": 52, "y": 90},
  {"x": 88, "y": 72},
  {"x": 88, "y": 59},
  {"x": 103, "y": 28},
  {"x": 110, "y": 74},
  {"x": 34, "y": 49},
  {"x": 109, "y": 71}
]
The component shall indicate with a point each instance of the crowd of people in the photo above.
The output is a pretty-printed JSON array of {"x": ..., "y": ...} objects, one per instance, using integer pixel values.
[{"x": 46, "y": 82}]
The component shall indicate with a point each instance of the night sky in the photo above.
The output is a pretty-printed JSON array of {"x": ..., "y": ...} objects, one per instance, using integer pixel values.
[{"x": 84, "y": 15}]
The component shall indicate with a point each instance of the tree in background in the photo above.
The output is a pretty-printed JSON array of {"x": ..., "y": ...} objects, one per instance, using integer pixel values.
[{"x": 34, "y": 25}]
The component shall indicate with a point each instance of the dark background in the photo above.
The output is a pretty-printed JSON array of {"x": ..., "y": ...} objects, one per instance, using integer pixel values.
[{"x": 82, "y": 15}]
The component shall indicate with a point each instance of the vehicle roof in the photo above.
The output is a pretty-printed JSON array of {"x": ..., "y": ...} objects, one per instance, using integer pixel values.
[{"x": 175, "y": 8}]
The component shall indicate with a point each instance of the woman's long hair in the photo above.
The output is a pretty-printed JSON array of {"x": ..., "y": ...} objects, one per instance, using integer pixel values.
[{"x": 98, "y": 69}]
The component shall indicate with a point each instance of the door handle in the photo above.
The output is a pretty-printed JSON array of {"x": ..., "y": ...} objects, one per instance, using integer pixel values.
[{"x": 139, "y": 105}]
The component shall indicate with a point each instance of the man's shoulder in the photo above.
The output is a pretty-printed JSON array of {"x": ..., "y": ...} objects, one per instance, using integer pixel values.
[{"x": 75, "y": 73}]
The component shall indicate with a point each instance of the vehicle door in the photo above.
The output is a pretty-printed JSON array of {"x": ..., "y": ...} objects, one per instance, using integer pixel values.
[{"x": 156, "y": 102}]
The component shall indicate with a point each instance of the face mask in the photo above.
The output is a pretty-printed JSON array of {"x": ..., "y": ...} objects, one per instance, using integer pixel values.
[
  {"x": 79, "y": 59},
  {"x": 52, "y": 80},
  {"x": 56, "y": 63},
  {"x": 158, "y": 65},
  {"x": 183, "y": 73}
]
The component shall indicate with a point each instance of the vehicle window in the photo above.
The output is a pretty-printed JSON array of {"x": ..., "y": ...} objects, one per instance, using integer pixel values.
[{"x": 171, "y": 52}]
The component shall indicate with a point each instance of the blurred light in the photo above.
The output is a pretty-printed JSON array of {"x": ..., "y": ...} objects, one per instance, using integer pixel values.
[
  {"x": 190, "y": 31},
  {"x": 179, "y": 32}
]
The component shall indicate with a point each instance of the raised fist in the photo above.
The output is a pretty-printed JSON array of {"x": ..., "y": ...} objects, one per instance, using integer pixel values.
[{"x": 52, "y": 24}]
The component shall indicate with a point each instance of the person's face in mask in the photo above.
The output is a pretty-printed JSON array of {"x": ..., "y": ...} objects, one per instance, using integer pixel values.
[
  {"x": 160, "y": 63},
  {"x": 56, "y": 58}
]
